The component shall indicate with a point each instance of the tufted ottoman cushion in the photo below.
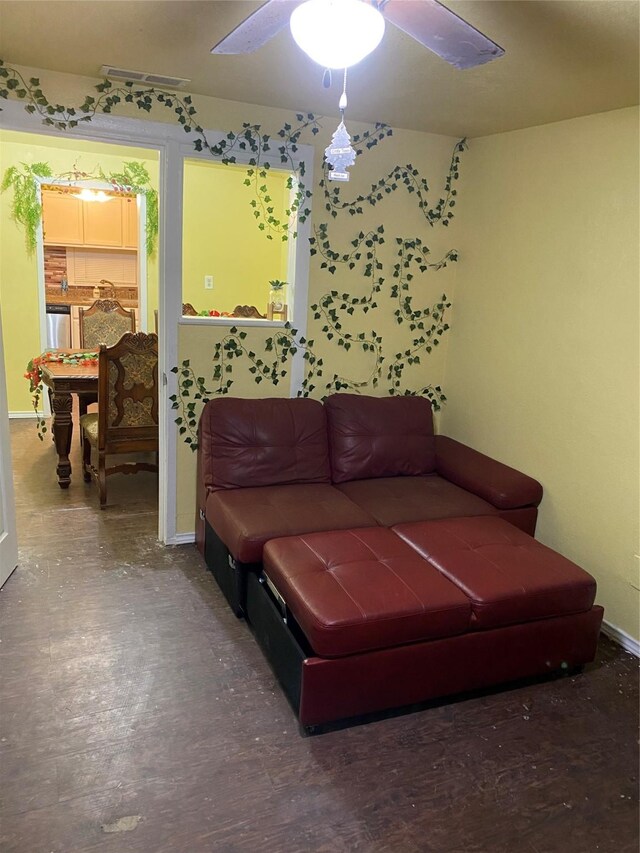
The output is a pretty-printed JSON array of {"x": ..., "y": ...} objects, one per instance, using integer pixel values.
[
  {"x": 507, "y": 575},
  {"x": 357, "y": 590}
]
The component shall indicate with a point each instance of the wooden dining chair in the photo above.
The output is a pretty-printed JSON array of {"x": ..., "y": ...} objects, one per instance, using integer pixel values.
[
  {"x": 105, "y": 322},
  {"x": 248, "y": 311},
  {"x": 127, "y": 416}
]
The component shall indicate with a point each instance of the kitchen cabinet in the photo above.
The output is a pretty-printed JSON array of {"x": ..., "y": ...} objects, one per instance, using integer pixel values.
[
  {"x": 102, "y": 222},
  {"x": 75, "y": 326},
  {"x": 62, "y": 219},
  {"x": 69, "y": 221},
  {"x": 130, "y": 223}
]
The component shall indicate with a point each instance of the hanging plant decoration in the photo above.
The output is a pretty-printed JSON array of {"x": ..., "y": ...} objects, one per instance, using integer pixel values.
[{"x": 26, "y": 207}]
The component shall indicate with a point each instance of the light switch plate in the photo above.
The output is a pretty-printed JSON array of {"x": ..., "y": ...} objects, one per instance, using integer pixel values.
[{"x": 208, "y": 282}]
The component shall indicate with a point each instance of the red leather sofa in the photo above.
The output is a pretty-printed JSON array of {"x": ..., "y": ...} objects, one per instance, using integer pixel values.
[
  {"x": 278, "y": 467},
  {"x": 379, "y": 564}
]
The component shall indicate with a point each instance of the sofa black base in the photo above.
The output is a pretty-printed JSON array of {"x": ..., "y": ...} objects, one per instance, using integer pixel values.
[
  {"x": 278, "y": 635},
  {"x": 230, "y": 574},
  {"x": 325, "y": 690}
]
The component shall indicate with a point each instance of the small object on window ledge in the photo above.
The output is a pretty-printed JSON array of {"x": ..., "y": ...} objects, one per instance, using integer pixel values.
[{"x": 277, "y": 304}]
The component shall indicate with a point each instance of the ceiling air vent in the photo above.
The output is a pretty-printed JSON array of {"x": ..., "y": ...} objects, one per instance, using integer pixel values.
[{"x": 142, "y": 77}]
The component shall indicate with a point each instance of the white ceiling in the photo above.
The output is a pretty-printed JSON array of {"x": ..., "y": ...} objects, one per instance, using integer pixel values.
[{"x": 564, "y": 58}]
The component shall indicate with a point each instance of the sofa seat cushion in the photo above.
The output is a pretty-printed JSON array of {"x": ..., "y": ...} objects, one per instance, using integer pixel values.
[
  {"x": 392, "y": 500},
  {"x": 247, "y": 518},
  {"x": 357, "y": 590},
  {"x": 507, "y": 575}
]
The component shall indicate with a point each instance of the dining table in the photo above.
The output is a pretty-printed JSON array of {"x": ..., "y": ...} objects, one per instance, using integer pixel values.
[{"x": 64, "y": 380}]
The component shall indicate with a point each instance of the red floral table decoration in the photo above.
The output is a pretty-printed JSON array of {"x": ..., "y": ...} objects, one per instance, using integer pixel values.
[{"x": 34, "y": 375}]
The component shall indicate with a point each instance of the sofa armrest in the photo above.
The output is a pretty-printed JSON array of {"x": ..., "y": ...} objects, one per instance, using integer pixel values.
[{"x": 500, "y": 485}]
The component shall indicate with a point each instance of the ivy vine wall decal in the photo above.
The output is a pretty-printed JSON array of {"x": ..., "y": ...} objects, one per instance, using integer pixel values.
[{"x": 384, "y": 271}]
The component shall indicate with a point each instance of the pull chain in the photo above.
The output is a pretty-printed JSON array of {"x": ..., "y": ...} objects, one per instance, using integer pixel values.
[{"x": 343, "y": 98}]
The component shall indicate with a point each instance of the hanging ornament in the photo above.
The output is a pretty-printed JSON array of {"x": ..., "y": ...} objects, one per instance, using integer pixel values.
[{"x": 340, "y": 154}]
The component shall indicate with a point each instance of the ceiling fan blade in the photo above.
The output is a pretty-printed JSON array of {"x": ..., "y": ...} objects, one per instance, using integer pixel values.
[
  {"x": 258, "y": 28},
  {"x": 442, "y": 31}
]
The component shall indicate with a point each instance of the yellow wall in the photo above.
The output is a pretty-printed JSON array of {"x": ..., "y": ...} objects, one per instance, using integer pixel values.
[
  {"x": 18, "y": 268},
  {"x": 542, "y": 367},
  {"x": 220, "y": 237},
  {"x": 401, "y": 217}
]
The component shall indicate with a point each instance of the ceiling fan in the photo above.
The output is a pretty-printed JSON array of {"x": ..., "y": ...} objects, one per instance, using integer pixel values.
[{"x": 427, "y": 21}]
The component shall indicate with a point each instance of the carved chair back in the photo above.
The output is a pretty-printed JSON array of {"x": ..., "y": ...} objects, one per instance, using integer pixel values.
[
  {"x": 248, "y": 311},
  {"x": 105, "y": 322},
  {"x": 128, "y": 394}
]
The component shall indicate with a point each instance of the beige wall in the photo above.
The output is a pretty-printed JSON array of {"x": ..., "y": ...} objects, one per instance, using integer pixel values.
[{"x": 542, "y": 367}]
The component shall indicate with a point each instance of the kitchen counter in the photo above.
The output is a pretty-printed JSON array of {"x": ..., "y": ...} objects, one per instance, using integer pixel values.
[{"x": 85, "y": 299}]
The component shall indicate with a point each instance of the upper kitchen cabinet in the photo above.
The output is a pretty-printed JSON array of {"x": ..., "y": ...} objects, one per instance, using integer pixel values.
[
  {"x": 130, "y": 223},
  {"x": 103, "y": 223},
  {"x": 62, "y": 219},
  {"x": 69, "y": 221}
]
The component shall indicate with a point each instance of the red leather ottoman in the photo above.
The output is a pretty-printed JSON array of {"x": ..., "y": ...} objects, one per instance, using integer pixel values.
[
  {"x": 357, "y": 590},
  {"x": 508, "y": 576},
  {"x": 359, "y": 621}
]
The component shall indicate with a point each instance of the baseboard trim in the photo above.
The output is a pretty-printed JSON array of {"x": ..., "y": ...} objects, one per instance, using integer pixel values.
[
  {"x": 628, "y": 643},
  {"x": 182, "y": 539},
  {"x": 30, "y": 414}
]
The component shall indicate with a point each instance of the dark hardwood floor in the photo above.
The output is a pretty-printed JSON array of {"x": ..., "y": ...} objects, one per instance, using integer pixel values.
[{"x": 137, "y": 715}]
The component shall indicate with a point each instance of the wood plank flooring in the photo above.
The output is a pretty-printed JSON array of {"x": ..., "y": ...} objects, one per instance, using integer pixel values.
[{"x": 137, "y": 715}]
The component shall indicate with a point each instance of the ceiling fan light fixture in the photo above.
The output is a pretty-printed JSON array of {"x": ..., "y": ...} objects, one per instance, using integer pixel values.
[{"x": 337, "y": 33}]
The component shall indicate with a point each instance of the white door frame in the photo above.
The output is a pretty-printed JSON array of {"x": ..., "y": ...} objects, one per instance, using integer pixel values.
[
  {"x": 170, "y": 141},
  {"x": 8, "y": 536},
  {"x": 138, "y": 134}
]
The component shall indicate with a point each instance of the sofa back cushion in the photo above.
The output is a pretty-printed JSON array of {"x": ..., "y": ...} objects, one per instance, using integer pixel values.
[
  {"x": 263, "y": 443},
  {"x": 371, "y": 437}
]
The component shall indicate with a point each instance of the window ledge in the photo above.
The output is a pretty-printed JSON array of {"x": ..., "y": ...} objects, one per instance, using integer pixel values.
[{"x": 231, "y": 321}]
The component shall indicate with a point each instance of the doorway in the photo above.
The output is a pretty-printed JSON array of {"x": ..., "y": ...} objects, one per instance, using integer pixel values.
[{"x": 72, "y": 164}]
